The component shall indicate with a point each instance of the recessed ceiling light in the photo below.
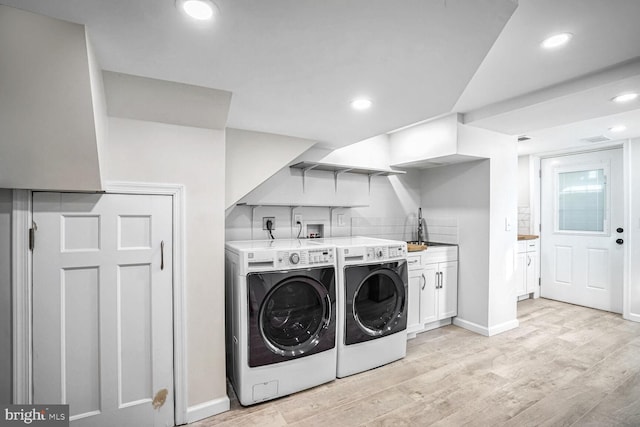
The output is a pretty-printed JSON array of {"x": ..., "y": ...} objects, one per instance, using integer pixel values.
[
  {"x": 199, "y": 9},
  {"x": 556, "y": 40},
  {"x": 618, "y": 128},
  {"x": 361, "y": 104},
  {"x": 625, "y": 97}
]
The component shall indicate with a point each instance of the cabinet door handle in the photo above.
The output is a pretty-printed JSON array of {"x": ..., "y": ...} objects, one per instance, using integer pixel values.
[
  {"x": 528, "y": 260},
  {"x": 424, "y": 281},
  {"x": 162, "y": 255},
  {"x": 439, "y": 280}
]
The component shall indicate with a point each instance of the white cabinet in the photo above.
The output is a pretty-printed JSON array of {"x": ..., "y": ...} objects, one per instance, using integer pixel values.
[
  {"x": 447, "y": 292},
  {"x": 433, "y": 288},
  {"x": 416, "y": 284},
  {"x": 527, "y": 269}
]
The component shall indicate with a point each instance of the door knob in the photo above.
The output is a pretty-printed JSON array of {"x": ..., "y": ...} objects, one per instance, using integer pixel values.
[
  {"x": 619, "y": 241},
  {"x": 619, "y": 229}
]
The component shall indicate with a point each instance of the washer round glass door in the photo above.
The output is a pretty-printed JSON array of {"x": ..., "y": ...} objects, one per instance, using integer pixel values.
[
  {"x": 294, "y": 315},
  {"x": 378, "y": 302}
]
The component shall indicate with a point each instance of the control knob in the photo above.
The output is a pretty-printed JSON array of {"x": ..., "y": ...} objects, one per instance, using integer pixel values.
[
  {"x": 379, "y": 253},
  {"x": 294, "y": 258}
]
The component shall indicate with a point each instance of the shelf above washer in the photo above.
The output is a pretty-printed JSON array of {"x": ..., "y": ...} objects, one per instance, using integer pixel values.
[
  {"x": 345, "y": 168},
  {"x": 301, "y": 205},
  {"x": 340, "y": 169}
]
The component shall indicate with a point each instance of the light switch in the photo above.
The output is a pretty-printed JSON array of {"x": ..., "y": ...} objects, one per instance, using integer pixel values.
[{"x": 507, "y": 224}]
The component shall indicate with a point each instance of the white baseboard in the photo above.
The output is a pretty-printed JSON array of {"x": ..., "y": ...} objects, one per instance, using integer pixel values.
[
  {"x": 503, "y": 327},
  {"x": 470, "y": 326},
  {"x": 207, "y": 409},
  {"x": 632, "y": 317},
  {"x": 483, "y": 330}
]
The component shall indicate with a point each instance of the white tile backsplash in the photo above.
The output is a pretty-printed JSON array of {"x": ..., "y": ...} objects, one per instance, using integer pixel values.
[
  {"x": 524, "y": 220},
  {"x": 443, "y": 230}
]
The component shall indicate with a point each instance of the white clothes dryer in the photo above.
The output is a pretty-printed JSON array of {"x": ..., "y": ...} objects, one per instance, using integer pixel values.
[
  {"x": 372, "y": 302},
  {"x": 280, "y": 317}
]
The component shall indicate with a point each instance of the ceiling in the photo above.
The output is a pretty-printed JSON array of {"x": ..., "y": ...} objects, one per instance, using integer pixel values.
[
  {"x": 293, "y": 66},
  {"x": 562, "y": 96}
]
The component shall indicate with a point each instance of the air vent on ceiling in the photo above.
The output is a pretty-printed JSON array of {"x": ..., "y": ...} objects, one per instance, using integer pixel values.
[
  {"x": 522, "y": 138},
  {"x": 598, "y": 138}
]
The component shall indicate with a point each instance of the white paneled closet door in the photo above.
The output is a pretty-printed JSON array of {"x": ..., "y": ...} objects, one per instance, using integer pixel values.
[{"x": 102, "y": 307}]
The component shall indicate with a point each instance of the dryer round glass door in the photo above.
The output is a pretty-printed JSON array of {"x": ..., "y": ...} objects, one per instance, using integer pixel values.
[
  {"x": 378, "y": 302},
  {"x": 293, "y": 316}
]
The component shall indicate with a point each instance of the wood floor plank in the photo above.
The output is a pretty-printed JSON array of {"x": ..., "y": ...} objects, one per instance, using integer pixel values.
[
  {"x": 564, "y": 366},
  {"x": 620, "y": 408}
]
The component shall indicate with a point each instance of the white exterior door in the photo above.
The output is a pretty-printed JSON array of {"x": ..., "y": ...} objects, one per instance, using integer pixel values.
[
  {"x": 582, "y": 236},
  {"x": 102, "y": 307}
]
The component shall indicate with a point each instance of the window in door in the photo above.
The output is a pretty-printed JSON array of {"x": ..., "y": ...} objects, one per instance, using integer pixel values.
[{"x": 582, "y": 201}]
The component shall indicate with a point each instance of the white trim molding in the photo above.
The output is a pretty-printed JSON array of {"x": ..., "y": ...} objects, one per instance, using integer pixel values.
[
  {"x": 629, "y": 281},
  {"x": 207, "y": 409},
  {"x": 177, "y": 191},
  {"x": 486, "y": 331},
  {"x": 470, "y": 326},
  {"x": 21, "y": 222},
  {"x": 503, "y": 327}
]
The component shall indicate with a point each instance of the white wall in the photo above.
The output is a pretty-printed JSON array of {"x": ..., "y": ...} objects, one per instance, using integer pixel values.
[
  {"x": 371, "y": 153},
  {"x": 631, "y": 309},
  {"x": 390, "y": 209},
  {"x": 142, "y": 151},
  {"x": 429, "y": 140},
  {"x": 50, "y": 136},
  {"x": 502, "y": 152},
  {"x": 482, "y": 196},
  {"x": 461, "y": 192},
  {"x": 5, "y": 297},
  {"x": 253, "y": 157}
]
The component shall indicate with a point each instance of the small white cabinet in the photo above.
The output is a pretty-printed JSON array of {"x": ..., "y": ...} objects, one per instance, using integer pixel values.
[
  {"x": 417, "y": 281},
  {"x": 433, "y": 288},
  {"x": 527, "y": 269}
]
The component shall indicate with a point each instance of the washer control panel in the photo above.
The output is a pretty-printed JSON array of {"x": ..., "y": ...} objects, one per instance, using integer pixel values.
[{"x": 304, "y": 257}]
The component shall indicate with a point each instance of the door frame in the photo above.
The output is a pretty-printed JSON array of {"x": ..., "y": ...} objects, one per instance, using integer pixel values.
[
  {"x": 22, "y": 220},
  {"x": 626, "y": 188}
]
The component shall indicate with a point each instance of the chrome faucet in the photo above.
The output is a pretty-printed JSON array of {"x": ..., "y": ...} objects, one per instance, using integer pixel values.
[{"x": 420, "y": 230}]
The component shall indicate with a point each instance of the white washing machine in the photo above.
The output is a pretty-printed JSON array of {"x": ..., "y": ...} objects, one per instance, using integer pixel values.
[
  {"x": 280, "y": 317},
  {"x": 372, "y": 302}
]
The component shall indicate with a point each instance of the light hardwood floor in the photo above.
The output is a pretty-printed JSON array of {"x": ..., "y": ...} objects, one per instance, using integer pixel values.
[{"x": 564, "y": 366}]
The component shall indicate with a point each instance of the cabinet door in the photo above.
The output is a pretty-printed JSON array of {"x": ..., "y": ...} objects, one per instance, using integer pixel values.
[
  {"x": 532, "y": 271},
  {"x": 428, "y": 301},
  {"x": 448, "y": 292},
  {"x": 521, "y": 274},
  {"x": 416, "y": 281}
]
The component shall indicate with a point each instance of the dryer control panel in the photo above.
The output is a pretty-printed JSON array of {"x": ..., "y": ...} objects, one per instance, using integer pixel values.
[
  {"x": 382, "y": 253},
  {"x": 304, "y": 257}
]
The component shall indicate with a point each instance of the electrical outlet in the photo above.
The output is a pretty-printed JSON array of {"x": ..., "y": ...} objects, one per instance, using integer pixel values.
[
  {"x": 341, "y": 220},
  {"x": 268, "y": 218},
  {"x": 297, "y": 219}
]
